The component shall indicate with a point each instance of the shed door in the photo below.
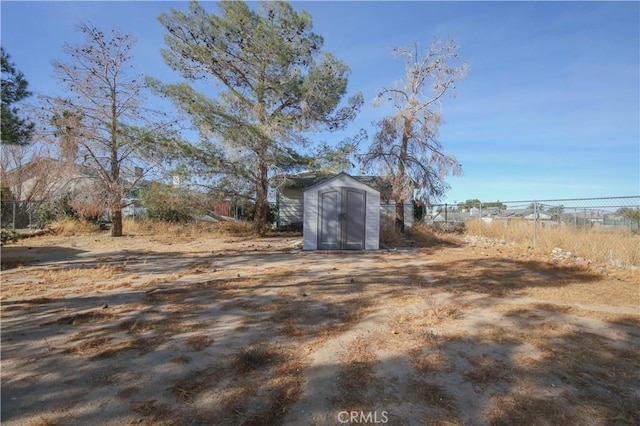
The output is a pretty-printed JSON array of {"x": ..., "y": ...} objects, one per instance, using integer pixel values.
[
  {"x": 328, "y": 220},
  {"x": 341, "y": 219},
  {"x": 353, "y": 210}
]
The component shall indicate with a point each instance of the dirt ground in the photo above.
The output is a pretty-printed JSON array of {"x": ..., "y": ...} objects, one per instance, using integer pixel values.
[{"x": 232, "y": 330}]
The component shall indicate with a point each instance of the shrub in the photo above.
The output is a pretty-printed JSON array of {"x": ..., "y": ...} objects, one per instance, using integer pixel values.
[{"x": 169, "y": 204}]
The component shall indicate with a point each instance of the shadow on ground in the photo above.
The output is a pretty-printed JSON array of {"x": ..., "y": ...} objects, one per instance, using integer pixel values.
[{"x": 230, "y": 347}]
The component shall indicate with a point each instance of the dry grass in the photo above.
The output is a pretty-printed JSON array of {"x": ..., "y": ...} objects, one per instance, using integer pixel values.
[
  {"x": 189, "y": 387},
  {"x": 294, "y": 309},
  {"x": 419, "y": 235},
  {"x": 186, "y": 230},
  {"x": 92, "y": 347},
  {"x": 429, "y": 313},
  {"x": 69, "y": 227},
  {"x": 65, "y": 275},
  {"x": 154, "y": 413},
  {"x": 485, "y": 370},
  {"x": 430, "y": 363},
  {"x": 615, "y": 247},
  {"x": 434, "y": 396},
  {"x": 255, "y": 357},
  {"x": 45, "y": 421},
  {"x": 525, "y": 408},
  {"x": 182, "y": 360},
  {"x": 91, "y": 317},
  {"x": 356, "y": 376},
  {"x": 389, "y": 235},
  {"x": 198, "y": 342}
]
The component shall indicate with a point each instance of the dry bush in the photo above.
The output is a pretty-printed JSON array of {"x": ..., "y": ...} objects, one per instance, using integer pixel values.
[
  {"x": 69, "y": 227},
  {"x": 425, "y": 236},
  {"x": 616, "y": 246},
  {"x": 389, "y": 234},
  {"x": 419, "y": 234}
]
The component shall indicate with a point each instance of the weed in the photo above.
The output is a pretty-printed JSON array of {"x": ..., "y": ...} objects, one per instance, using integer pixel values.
[{"x": 253, "y": 358}]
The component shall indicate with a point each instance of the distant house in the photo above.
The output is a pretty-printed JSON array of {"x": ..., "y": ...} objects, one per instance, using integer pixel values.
[
  {"x": 45, "y": 181},
  {"x": 49, "y": 179}
]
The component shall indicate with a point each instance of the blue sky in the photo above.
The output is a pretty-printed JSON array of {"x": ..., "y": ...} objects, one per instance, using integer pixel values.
[{"x": 550, "y": 107}]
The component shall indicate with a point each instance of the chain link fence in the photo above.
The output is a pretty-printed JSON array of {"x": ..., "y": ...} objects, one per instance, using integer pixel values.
[
  {"x": 572, "y": 213},
  {"x": 16, "y": 215}
]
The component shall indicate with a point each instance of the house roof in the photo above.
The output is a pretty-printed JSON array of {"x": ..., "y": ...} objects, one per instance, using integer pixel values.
[
  {"x": 330, "y": 178},
  {"x": 308, "y": 179},
  {"x": 47, "y": 162}
]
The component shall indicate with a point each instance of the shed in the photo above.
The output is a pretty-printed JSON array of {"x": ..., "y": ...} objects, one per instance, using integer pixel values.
[{"x": 341, "y": 213}]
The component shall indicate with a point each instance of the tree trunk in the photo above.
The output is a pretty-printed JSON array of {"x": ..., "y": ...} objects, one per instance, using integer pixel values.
[
  {"x": 400, "y": 216},
  {"x": 262, "y": 204},
  {"x": 400, "y": 177},
  {"x": 116, "y": 219},
  {"x": 116, "y": 195}
]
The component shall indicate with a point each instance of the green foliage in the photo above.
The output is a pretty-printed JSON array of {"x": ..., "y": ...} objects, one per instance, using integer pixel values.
[
  {"x": 5, "y": 193},
  {"x": 44, "y": 214},
  {"x": 471, "y": 203},
  {"x": 631, "y": 214},
  {"x": 497, "y": 204},
  {"x": 14, "y": 130},
  {"x": 555, "y": 211},
  {"x": 170, "y": 204},
  {"x": 274, "y": 84},
  {"x": 272, "y": 213},
  {"x": 8, "y": 235},
  {"x": 475, "y": 203}
]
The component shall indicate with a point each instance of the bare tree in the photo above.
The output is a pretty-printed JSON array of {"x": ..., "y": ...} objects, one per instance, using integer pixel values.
[
  {"x": 103, "y": 121},
  {"x": 405, "y": 148}
]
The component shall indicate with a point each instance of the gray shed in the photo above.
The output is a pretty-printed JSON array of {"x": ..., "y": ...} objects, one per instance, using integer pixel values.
[{"x": 341, "y": 213}]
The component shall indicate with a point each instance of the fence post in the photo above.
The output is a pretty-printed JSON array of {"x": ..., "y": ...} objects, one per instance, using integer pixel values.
[
  {"x": 535, "y": 219},
  {"x": 445, "y": 213},
  {"x": 13, "y": 221},
  {"x": 480, "y": 219}
]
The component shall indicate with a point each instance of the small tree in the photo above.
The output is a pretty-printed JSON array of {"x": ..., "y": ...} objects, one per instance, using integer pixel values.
[
  {"x": 406, "y": 148},
  {"x": 631, "y": 214},
  {"x": 15, "y": 130}
]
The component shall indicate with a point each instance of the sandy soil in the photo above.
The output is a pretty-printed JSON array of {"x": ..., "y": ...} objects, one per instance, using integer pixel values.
[{"x": 239, "y": 330}]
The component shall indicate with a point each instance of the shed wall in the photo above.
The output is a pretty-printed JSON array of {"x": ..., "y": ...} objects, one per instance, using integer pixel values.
[{"x": 310, "y": 214}]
